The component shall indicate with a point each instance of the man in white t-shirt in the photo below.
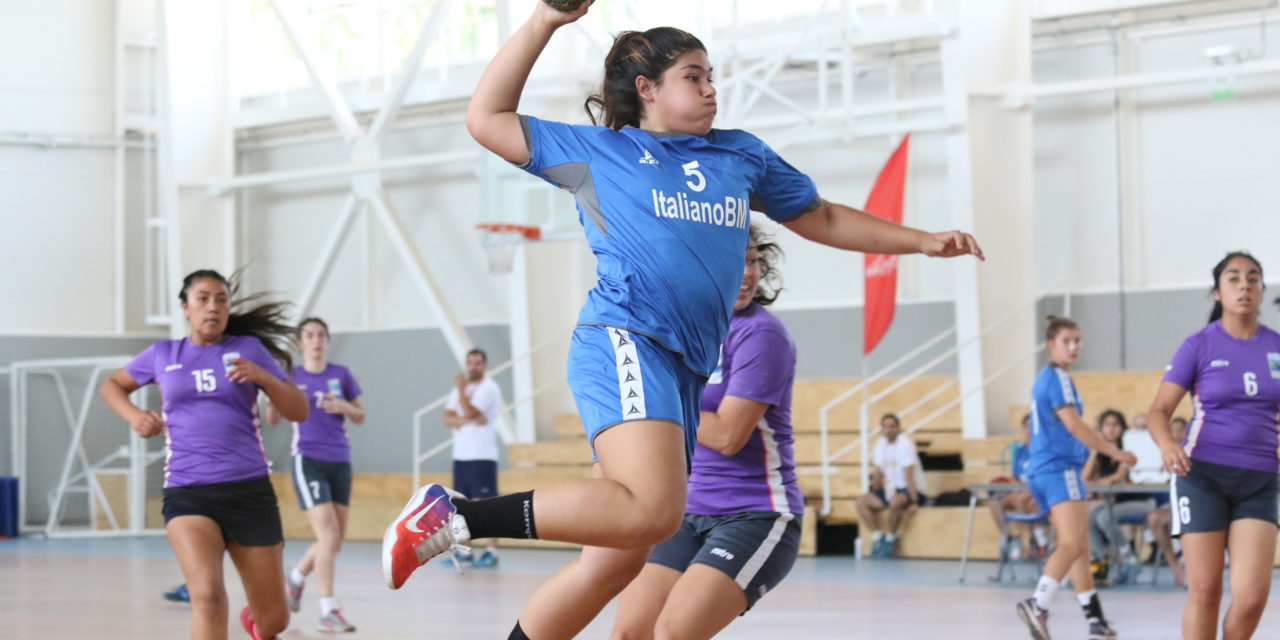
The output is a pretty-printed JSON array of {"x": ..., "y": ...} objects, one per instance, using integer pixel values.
[
  {"x": 471, "y": 412},
  {"x": 896, "y": 457}
]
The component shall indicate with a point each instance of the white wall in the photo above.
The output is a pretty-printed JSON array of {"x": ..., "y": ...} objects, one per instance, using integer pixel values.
[
  {"x": 56, "y": 224},
  {"x": 1207, "y": 174}
]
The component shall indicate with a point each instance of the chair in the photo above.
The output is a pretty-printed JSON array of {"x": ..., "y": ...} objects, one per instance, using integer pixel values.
[{"x": 1026, "y": 518}]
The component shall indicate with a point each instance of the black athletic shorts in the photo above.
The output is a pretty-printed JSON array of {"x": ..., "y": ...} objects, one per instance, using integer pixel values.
[
  {"x": 1212, "y": 496},
  {"x": 245, "y": 510},
  {"x": 317, "y": 482},
  {"x": 755, "y": 548},
  {"x": 476, "y": 479}
]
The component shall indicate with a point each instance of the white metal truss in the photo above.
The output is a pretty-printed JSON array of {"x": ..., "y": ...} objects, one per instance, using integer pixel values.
[{"x": 367, "y": 192}]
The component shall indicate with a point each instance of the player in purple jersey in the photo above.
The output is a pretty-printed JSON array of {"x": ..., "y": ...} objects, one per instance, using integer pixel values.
[
  {"x": 1224, "y": 494},
  {"x": 321, "y": 466},
  {"x": 741, "y": 530},
  {"x": 664, "y": 200},
  {"x": 217, "y": 496}
]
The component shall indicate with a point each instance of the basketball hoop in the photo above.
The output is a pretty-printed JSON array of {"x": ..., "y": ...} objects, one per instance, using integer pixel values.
[{"x": 501, "y": 240}]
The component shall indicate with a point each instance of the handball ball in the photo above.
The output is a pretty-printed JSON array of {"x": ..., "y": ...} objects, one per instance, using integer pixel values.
[{"x": 565, "y": 5}]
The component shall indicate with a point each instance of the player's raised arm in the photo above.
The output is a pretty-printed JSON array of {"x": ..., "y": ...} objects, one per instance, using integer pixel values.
[
  {"x": 491, "y": 115},
  {"x": 844, "y": 227}
]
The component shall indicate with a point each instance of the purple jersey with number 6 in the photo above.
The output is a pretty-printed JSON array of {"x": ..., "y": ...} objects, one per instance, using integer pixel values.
[
  {"x": 1235, "y": 391},
  {"x": 758, "y": 363},
  {"x": 211, "y": 425},
  {"x": 323, "y": 435}
]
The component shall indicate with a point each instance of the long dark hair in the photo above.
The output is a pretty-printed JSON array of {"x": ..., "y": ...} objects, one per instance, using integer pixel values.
[
  {"x": 1124, "y": 424},
  {"x": 266, "y": 320},
  {"x": 1216, "y": 314},
  {"x": 636, "y": 53},
  {"x": 770, "y": 286}
]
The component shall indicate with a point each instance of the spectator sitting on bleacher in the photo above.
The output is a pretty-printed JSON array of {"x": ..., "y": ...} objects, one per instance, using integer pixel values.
[
  {"x": 1105, "y": 534},
  {"x": 1018, "y": 456},
  {"x": 896, "y": 456},
  {"x": 1159, "y": 521}
]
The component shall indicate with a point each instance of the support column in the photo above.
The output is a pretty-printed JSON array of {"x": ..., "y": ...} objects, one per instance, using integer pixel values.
[{"x": 991, "y": 192}]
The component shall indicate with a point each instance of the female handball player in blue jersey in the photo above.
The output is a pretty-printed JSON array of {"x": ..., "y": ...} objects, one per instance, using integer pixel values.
[
  {"x": 741, "y": 530},
  {"x": 218, "y": 498},
  {"x": 1060, "y": 444},
  {"x": 664, "y": 200},
  {"x": 1224, "y": 493}
]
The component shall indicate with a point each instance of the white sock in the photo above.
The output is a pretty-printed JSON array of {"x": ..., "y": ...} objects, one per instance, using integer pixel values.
[
  {"x": 877, "y": 536},
  {"x": 296, "y": 576},
  {"x": 1084, "y": 597},
  {"x": 328, "y": 604},
  {"x": 1148, "y": 536},
  {"x": 492, "y": 550},
  {"x": 1041, "y": 539},
  {"x": 1177, "y": 544},
  {"x": 890, "y": 538},
  {"x": 1045, "y": 589}
]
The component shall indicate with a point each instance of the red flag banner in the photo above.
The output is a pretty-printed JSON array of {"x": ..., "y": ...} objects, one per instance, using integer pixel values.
[{"x": 880, "y": 271}]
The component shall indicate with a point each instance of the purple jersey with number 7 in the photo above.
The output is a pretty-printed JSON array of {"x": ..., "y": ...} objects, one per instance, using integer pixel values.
[
  {"x": 211, "y": 425},
  {"x": 1235, "y": 392},
  {"x": 323, "y": 435}
]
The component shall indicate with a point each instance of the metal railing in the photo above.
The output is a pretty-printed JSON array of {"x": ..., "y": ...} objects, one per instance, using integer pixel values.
[
  {"x": 862, "y": 441},
  {"x": 420, "y": 456}
]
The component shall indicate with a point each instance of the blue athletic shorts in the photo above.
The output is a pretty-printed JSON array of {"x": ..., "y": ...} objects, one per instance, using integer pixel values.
[
  {"x": 755, "y": 548},
  {"x": 1058, "y": 486},
  {"x": 618, "y": 376},
  {"x": 1212, "y": 496}
]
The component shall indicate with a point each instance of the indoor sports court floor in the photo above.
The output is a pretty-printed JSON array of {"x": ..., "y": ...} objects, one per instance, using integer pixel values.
[{"x": 110, "y": 589}]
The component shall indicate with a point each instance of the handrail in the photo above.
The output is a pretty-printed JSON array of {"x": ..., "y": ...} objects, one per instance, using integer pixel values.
[
  {"x": 861, "y": 440},
  {"x": 419, "y": 456},
  {"x": 824, "y": 412}
]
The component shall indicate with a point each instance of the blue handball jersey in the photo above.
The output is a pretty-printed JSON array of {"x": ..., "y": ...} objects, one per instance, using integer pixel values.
[
  {"x": 1053, "y": 448},
  {"x": 667, "y": 217}
]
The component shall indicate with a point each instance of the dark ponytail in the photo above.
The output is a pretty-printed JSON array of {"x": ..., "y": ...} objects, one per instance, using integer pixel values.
[
  {"x": 636, "y": 53},
  {"x": 267, "y": 320},
  {"x": 1216, "y": 314}
]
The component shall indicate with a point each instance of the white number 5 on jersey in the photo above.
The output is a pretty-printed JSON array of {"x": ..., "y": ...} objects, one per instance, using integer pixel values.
[{"x": 691, "y": 169}]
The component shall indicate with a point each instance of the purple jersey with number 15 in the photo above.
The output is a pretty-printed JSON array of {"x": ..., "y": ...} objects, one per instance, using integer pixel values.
[
  {"x": 1235, "y": 391},
  {"x": 211, "y": 425},
  {"x": 323, "y": 435}
]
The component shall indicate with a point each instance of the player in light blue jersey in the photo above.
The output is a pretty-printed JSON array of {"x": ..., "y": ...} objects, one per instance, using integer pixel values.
[
  {"x": 1060, "y": 444},
  {"x": 665, "y": 202}
]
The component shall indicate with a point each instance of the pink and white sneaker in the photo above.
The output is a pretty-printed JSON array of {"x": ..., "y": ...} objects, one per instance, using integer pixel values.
[
  {"x": 428, "y": 526},
  {"x": 246, "y": 619}
]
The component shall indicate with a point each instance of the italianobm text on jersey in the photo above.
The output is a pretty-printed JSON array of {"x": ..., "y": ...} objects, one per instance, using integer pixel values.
[{"x": 731, "y": 213}]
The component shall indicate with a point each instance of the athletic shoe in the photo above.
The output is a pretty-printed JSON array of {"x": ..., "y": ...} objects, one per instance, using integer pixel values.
[
  {"x": 1101, "y": 631},
  {"x": 246, "y": 619},
  {"x": 1037, "y": 619},
  {"x": 487, "y": 560},
  {"x": 428, "y": 526},
  {"x": 293, "y": 591},
  {"x": 179, "y": 594},
  {"x": 333, "y": 622}
]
